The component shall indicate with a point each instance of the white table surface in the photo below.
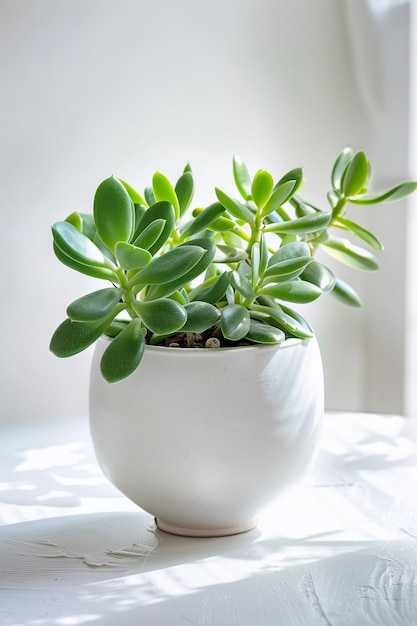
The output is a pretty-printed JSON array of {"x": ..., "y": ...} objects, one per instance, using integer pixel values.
[{"x": 339, "y": 551}]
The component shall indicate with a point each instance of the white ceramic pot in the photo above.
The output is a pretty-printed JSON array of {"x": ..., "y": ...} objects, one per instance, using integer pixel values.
[{"x": 205, "y": 439}]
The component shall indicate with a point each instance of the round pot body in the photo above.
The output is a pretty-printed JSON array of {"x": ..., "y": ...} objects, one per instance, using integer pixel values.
[{"x": 205, "y": 439}]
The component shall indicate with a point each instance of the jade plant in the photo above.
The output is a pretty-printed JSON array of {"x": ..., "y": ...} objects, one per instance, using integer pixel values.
[{"x": 224, "y": 275}]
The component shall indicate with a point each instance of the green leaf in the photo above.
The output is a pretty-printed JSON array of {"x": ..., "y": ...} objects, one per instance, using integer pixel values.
[
  {"x": 170, "y": 266},
  {"x": 222, "y": 224},
  {"x": 282, "y": 193},
  {"x": 255, "y": 258},
  {"x": 298, "y": 291},
  {"x": 209, "y": 247},
  {"x": 76, "y": 220},
  {"x": 235, "y": 207},
  {"x": 200, "y": 317},
  {"x": 295, "y": 175},
  {"x": 204, "y": 219},
  {"x": 149, "y": 196},
  {"x": 242, "y": 178},
  {"x": 339, "y": 168},
  {"x": 229, "y": 254},
  {"x": 214, "y": 292},
  {"x": 319, "y": 275},
  {"x": 163, "y": 190},
  {"x": 263, "y": 255},
  {"x": 392, "y": 195},
  {"x": 286, "y": 320},
  {"x": 295, "y": 250},
  {"x": 353, "y": 256},
  {"x": 242, "y": 284},
  {"x": 116, "y": 327},
  {"x": 235, "y": 322},
  {"x": 161, "y": 316},
  {"x": 113, "y": 212},
  {"x": 95, "y": 306},
  {"x": 305, "y": 224},
  {"x": 89, "y": 270},
  {"x": 356, "y": 175},
  {"x": 261, "y": 332},
  {"x": 284, "y": 272},
  {"x": 262, "y": 186},
  {"x": 346, "y": 294},
  {"x": 151, "y": 233},
  {"x": 124, "y": 353},
  {"x": 133, "y": 194},
  {"x": 184, "y": 190},
  {"x": 360, "y": 232},
  {"x": 131, "y": 257},
  {"x": 73, "y": 337},
  {"x": 78, "y": 246},
  {"x": 159, "y": 210}
]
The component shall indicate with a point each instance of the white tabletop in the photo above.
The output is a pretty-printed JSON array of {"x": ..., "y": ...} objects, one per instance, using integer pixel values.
[{"x": 339, "y": 551}]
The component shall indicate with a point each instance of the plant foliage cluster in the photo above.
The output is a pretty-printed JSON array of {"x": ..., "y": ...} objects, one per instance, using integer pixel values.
[{"x": 232, "y": 270}]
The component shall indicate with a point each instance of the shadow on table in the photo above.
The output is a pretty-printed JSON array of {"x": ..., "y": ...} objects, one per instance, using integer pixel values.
[{"x": 267, "y": 578}]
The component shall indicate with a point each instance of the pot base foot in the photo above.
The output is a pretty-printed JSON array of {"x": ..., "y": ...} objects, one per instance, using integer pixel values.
[{"x": 205, "y": 532}]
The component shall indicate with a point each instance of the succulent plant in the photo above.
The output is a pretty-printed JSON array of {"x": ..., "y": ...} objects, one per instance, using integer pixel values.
[{"x": 227, "y": 274}]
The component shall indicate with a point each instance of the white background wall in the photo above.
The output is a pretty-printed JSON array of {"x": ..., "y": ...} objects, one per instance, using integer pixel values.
[{"x": 96, "y": 87}]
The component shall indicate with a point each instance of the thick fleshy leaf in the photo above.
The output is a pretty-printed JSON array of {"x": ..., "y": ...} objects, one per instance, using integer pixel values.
[
  {"x": 356, "y": 175},
  {"x": 242, "y": 178},
  {"x": 261, "y": 332},
  {"x": 140, "y": 210},
  {"x": 89, "y": 270},
  {"x": 124, "y": 353},
  {"x": 76, "y": 220},
  {"x": 319, "y": 275},
  {"x": 170, "y": 266},
  {"x": 162, "y": 316},
  {"x": 116, "y": 327},
  {"x": 200, "y": 317},
  {"x": 164, "y": 191},
  {"x": 301, "y": 225},
  {"x": 262, "y": 186},
  {"x": 114, "y": 213},
  {"x": 235, "y": 322},
  {"x": 346, "y": 294},
  {"x": 95, "y": 306},
  {"x": 295, "y": 250},
  {"x": 263, "y": 255},
  {"x": 255, "y": 257},
  {"x": 281, "y": 194},
  {"x": 131, "y": 257},
  {"x": 235, "y": 207},
  {"x": 291, "y": 324},
  {"x": 209, "y": 248},
  {"x": 298, "y": 291},
  {"x": 242, "y": 284},
  {"x": 204, "y": 219},
  {"x": 149, "y": 196},
  {"x": 160, "y": 210},
  {"x": 78, "y": 246},
  {"x": 184, "y": 190},
  {"x": 349, "y": 254},
  {"x": 73, "y": 337},
  {"x": 134, "y": 195},
  {"x": 150, "y": 234},
  {"x": 229, "y": 254},
  {"x": 214, "y": 292},
  {"x": 392, "y": 195},
  {"x": 340, "y": 166},
  {"x": 222, "y": 224},
  {"x": 295, "y": 175},
  {"x": 360, "y": 232}
]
